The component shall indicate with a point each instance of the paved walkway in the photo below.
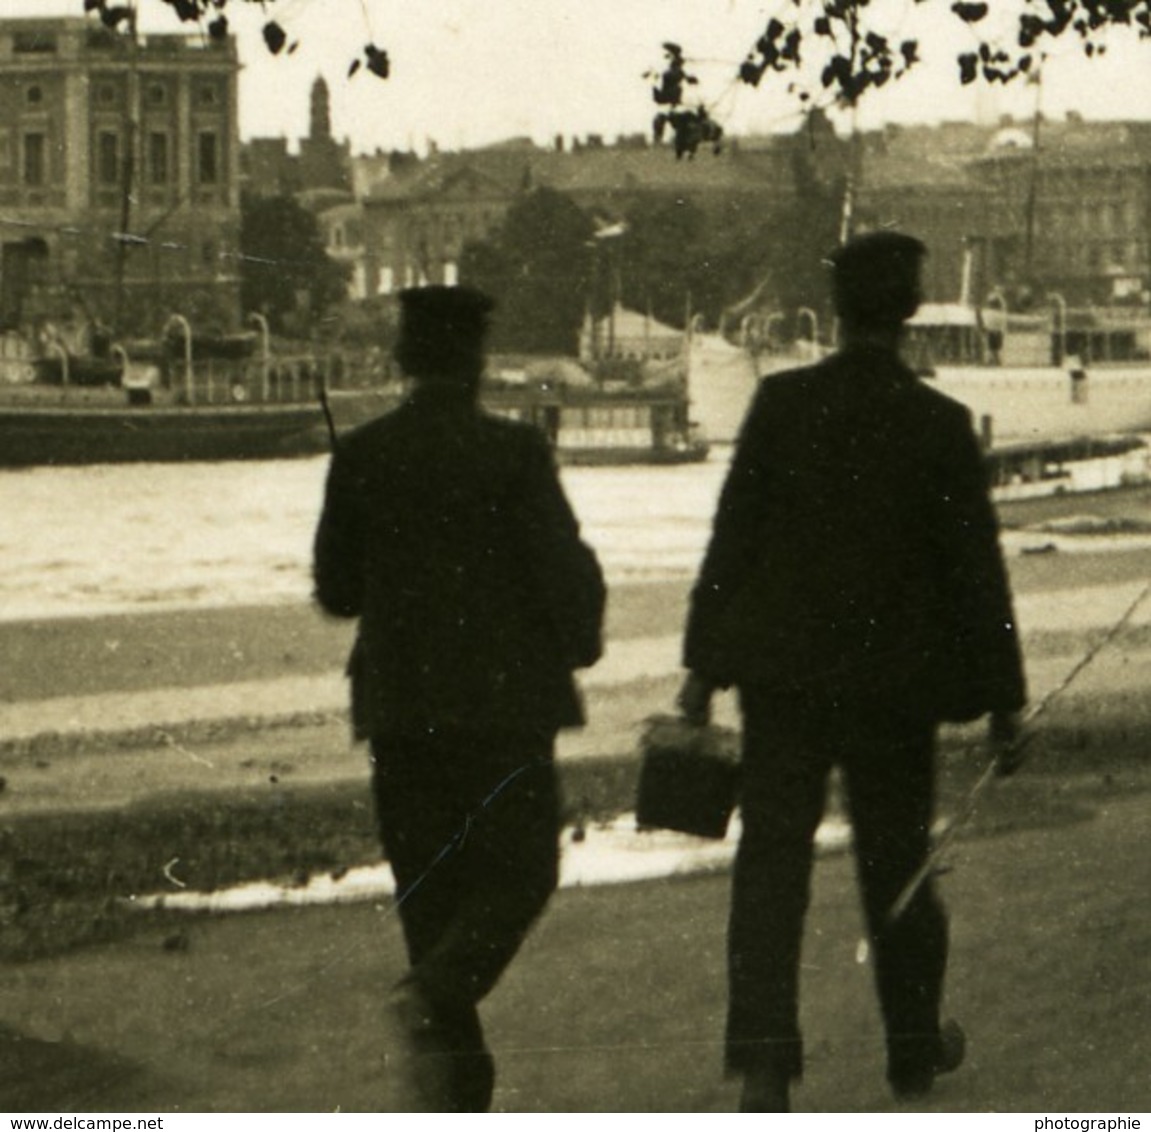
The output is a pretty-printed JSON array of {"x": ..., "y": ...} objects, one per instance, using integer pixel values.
[
  {"x": 167, "y": 710},
  {"x": 616, "y": 1003}
]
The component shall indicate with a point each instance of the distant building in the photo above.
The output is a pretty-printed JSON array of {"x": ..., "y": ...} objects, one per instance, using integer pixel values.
[
  {"x": 343, "y": 229},
  {"x": 320, "y": 163},
  {"x": 1037, "y": 213},
  {"x": 119, "y": 176},
  {"x": 1078, "y": 211},
  {"x": 418, "y": 220}
]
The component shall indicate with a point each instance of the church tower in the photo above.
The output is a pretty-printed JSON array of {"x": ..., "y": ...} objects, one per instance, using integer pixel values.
[
  {"x": 320, "y": 128},
  {"x": 323, "y": 160}
]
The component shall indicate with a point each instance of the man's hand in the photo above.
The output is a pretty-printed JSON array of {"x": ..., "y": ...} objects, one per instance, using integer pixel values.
[
  {"x": 694, "y": 700},
  {"x": 1004, "y": 733}
]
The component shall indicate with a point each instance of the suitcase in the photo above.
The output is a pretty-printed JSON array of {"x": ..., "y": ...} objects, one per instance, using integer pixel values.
[{"x": 689, "y": 777}]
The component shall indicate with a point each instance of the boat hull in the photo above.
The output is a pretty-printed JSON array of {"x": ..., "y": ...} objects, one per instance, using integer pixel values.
[
  {"x": 1010, "y": 404},
  {"x": 1013, "y": 405},
  {"x": 59, "y": 433},
  {"x": 34, "y": 436},
  {"x": 611, "y": 456}
]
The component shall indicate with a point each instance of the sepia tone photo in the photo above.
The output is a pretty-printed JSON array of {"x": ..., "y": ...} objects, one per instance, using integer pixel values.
[{"x": 575, "y": 559}]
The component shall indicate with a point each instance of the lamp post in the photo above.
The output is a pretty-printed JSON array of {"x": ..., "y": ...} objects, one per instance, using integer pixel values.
[
  {"x": 813, "y": 320},
  {"x": 61, "y": 352},
  {"x": 769, "y": 326},
  {"x": 997, "y": 336},
  {"x": 1060, "y": 304},
  {"x": 261, "y": 323},
  {"x": 186, "y": 329}
]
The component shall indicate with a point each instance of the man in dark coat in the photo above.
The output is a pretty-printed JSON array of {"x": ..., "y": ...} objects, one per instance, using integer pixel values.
[
  {"x": 854, "y": 594},
  {"x": 446, "y": 532}
]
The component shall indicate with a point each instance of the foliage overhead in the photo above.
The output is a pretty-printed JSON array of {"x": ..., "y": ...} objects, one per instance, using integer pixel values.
[
  {"x": 833, "y": 52},
  {"x": 211, "y": 16},
  {"x": 825, "y": 51}
]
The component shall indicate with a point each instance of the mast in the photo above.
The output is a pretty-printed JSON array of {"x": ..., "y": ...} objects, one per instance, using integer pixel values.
[
  {"x": 128, "y": 166},
  {"x": 1033, "y": 185}
]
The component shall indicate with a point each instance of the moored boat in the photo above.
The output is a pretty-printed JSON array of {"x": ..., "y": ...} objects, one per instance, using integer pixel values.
[
  {"x": 270, "y": 407},
  {"x": 223, "y": 408},
  {"x": 1027, "y": 379},
  {"x": 603, "y": 425}
]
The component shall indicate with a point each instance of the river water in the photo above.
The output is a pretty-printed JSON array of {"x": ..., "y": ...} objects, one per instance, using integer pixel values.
[{"x": 135, "y": 537}]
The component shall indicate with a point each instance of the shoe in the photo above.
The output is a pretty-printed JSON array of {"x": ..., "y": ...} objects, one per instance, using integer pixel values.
[
  {"x": 419, "y": 1069},
  {"x": 765, "y": 1090},
  {"x": 910, "y": 1080}
]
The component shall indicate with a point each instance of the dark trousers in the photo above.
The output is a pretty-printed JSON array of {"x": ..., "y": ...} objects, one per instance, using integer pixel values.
[
  {"x": 886, "y": 759},
  {"x": 470, "y": 826}
]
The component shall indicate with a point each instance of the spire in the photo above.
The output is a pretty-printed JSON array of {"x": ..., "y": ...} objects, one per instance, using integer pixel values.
[{"x": 321, "y": 119}]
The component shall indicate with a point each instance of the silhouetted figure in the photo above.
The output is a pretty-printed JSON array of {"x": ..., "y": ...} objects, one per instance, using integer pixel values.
[
  {"x": 446, "y": 532},
  {"x": 854, "y": 593}
]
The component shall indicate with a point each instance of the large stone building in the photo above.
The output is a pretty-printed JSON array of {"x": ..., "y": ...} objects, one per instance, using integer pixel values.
[
  {"x": 119, "y": 176},
  {"x": 1074, "y": 212},
  {"x": 416, "y": 222},
  {"x": 1035, "y": 213}
]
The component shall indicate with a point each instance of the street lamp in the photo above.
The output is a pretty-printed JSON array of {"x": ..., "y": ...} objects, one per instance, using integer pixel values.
[
  {"x": 261, "y": 323},
  {"x": 61, "y": 352},
  {"x": 186, "y": 329},
  {"x": 813, "y": 320},
  {"x": 1061, "y": 306},
  {"x": 997, "y": 336},
  {"x": 769, "y": 325}
]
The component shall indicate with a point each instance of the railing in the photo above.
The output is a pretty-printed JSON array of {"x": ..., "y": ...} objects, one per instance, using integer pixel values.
[{"x": 280, "y": 379}]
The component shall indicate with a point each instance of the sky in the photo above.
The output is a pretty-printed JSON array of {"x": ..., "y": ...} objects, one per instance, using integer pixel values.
[{"x": 471, "y": 72}]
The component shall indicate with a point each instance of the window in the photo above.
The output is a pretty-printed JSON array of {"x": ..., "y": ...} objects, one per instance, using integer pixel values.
[
  {"x": 34, "y": 148},
  {"x": 157, "y": 95},
  {"x": 208, "y": 159},
  {"x": 207, "y": 95},
  {"x": 107, "y": 158},
  {"x": 106, "y": 94},
  {"x": 34, "y": 95},
  {"x": 158, "y": 158}
]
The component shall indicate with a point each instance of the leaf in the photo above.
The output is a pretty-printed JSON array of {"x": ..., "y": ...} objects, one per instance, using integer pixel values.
[
  {"x": 218, "y": 28},
  {"x": 751, "y": 72},
  {"x": 377, "y": 61},
  {"x": 968, "y": 12},
  {"x": 353, "y": 68},
  {"x": 968, "y": 68},
  {"x": 274, "y": 37},
  {"x": 113, "y": 17}
]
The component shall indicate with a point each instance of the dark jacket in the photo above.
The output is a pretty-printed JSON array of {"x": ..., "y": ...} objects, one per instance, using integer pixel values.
[
  {"x": 855, "y": 550},
  {"x": 446, "y": 531}
]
